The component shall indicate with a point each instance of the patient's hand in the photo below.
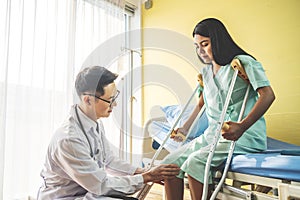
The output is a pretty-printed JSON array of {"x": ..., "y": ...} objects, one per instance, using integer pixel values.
[
  {"x": 179, "y": 134},
  {"x": 232, "y": 130}
]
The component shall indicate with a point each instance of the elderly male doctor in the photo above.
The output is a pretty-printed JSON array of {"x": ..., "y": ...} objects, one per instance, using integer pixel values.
[{"x": 79, "y": 160}]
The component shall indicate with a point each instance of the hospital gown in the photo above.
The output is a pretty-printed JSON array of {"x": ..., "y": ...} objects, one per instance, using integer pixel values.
[
  {"x": 192, "y": 157},
  {"x": 71, "y": 173}
]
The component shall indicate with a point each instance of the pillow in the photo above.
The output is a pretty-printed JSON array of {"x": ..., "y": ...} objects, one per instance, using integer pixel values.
[
  {"x": 172, "y": 112},
  {"x": 198, "y": 127}
]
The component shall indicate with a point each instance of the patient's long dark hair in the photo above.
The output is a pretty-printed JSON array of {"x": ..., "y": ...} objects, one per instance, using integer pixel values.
[{"x": 224, "y": 49}]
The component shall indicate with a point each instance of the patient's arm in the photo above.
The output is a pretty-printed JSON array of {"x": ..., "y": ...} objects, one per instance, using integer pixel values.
[
  {"x": 186, "y": 126},
  {"x": 235, "y": 129}
]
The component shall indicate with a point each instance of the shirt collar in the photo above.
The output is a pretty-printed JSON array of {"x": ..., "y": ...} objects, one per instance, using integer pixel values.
[{"x": 87, "y": 122}]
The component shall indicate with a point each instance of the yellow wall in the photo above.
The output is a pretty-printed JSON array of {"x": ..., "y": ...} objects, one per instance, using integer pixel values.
[{"x": 267, "y": 29}]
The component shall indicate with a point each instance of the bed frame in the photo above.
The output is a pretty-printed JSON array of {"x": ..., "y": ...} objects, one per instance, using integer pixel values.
[
  {"x": 245, "y": 186},
  {"x": 241, "y": 185}
]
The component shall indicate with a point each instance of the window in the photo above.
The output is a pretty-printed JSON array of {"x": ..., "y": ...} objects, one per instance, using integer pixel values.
[{"x": 43, "y": 45}]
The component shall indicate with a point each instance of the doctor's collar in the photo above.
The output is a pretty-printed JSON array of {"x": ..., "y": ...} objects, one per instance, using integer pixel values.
[{"x": 86, "y": 121}]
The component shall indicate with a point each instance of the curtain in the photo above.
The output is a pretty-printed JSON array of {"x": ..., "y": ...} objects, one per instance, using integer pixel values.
[{"x": 43, "y": 44}]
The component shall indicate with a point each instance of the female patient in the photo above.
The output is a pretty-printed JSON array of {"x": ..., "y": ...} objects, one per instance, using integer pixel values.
[{"x": 216, "y": 48}]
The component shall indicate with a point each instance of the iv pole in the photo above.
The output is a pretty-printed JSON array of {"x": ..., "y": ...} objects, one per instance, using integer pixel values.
[{"x": 132, "y": 98}]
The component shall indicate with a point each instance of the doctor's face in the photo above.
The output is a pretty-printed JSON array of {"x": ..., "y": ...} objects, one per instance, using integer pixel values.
[
  {"x": 203, "y": 48},
  {"x": 106, "y": 102}
]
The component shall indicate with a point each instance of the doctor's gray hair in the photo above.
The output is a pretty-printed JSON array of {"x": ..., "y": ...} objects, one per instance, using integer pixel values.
[{"x": 93, "y": 80}]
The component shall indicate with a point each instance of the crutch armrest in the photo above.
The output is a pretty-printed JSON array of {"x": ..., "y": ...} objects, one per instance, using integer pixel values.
[
  {"x": 236, "y": 65},
  {"x": 200, "y": 79}
]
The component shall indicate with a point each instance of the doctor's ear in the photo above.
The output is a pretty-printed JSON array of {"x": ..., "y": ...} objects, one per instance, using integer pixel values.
[{"x": 86, "y": 99}]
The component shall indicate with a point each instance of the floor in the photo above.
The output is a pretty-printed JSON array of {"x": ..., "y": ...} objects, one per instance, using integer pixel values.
[{"x": 156, "y": 193}]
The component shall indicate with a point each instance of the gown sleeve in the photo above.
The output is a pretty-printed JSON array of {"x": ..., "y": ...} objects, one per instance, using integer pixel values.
[{"x": 254, "y": 71}]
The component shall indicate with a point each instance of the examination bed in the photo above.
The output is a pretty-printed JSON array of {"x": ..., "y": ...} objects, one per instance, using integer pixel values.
[{"x": 272, "y": 174}]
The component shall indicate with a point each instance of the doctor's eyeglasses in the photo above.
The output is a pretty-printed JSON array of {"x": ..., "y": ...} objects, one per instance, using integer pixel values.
[{"x": 113, "y": 99}]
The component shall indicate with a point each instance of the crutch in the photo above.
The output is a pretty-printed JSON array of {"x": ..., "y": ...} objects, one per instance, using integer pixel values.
[
  {"x": 146, "y": 188},
  {"x": 238, "y": 71}
]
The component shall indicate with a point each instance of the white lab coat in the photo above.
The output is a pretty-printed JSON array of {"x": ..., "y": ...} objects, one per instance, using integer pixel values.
[{"x": 71, "y": 173}]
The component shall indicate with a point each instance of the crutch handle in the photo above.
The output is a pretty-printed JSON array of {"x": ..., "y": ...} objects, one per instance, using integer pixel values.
[
  {"x": 200, "y": 79},
  {"x": 225, "y": 126},
  {"x": 236, "y": 64},
  {"x": 177, "y": 134}
]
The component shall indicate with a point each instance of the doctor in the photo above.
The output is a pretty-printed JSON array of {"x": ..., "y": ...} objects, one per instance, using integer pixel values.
[{"x": 79, "y": 160}]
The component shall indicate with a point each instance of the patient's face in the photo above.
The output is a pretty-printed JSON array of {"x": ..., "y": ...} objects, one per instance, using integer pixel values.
[{"x": 203, "y": 47}]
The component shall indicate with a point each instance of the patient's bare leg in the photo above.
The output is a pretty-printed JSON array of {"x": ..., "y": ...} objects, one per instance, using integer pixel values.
[
  {"x": 196, "y": 188},
  {"x": 174, "y": 188}
]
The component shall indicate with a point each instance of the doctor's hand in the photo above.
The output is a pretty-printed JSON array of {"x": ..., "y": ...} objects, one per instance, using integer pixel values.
[
  {"x": 161, "y": 172},
  {"x": 140, "y": 170},
  {"x": 232, "y": 130}
]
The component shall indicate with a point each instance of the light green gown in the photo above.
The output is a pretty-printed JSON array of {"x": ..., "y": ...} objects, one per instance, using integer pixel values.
[{"x": 192, "y": 156}]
